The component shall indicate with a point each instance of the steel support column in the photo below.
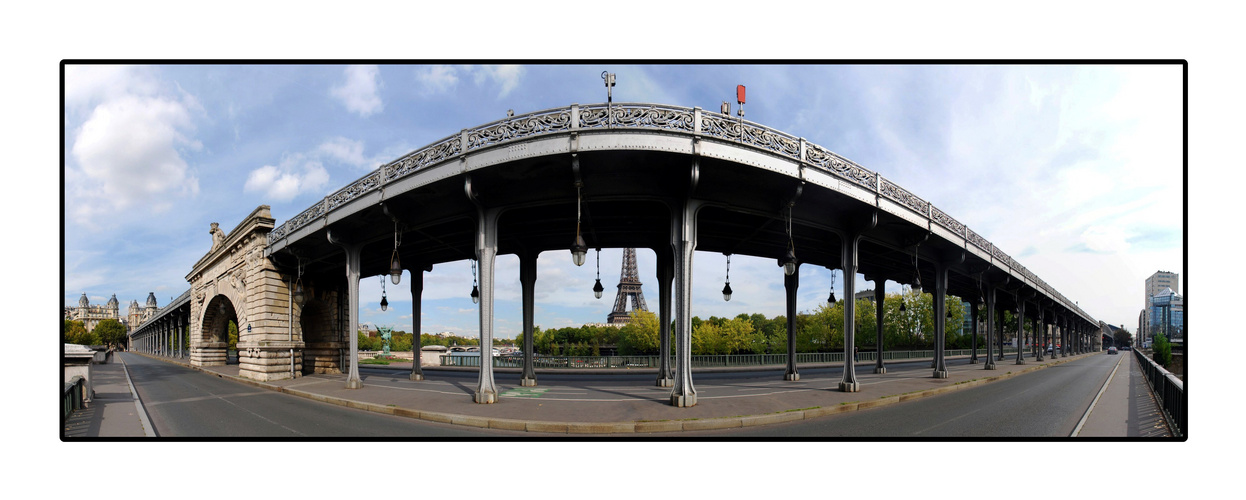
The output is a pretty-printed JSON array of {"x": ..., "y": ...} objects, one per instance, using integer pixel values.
[
  {"x": 684, "y": 243},
  {"x": 1020, "y": 329},
  {"x": 999, "y": 327},
  {"x": 527, "y": 281},
  {"x": 417, "y": 306},
  {"x": 1040, "y": 331},
  {"x": 973, "y": 342},
  {"x": 790, "y": 284},
  {"x": 666, "y": 275},
  {"x": 879, "y": 296},
  {"x": 486, "y": 250},
  {"x": 849, "y": 264},
  {"x": 353, "y": 381},
  {"x": 990, "y": 328},
  {"x": 940, "y": 320}
]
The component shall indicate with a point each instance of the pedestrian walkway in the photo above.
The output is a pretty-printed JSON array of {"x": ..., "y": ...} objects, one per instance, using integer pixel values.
[
  {"x": 113, "y": 411},
  {"x": 1126, "y": 408},
  {"x": 557, "y": 405}
]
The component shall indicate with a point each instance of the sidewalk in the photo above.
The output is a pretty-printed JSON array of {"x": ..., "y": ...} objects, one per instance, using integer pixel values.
[
  {"x": 1127, "y": 408},
  {"x": 112, "y": 412}
]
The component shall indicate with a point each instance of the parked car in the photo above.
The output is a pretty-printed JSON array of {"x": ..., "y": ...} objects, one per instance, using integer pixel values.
[
  {"x": 1111, "y": 350},
  {"x": 1125, "y": 348}
]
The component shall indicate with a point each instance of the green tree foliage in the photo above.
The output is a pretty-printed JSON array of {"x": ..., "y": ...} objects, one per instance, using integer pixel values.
[
  {"x": 367, "y": 343},
  {"x": 110, "y": 332},
  {"x": 641, "y": 335},
  {"x": 233, "y": 335},
  {"x": 74, "y": 333},
  {"x": 1162, "y": 350},
  {"x": 1123, "y": 337}
]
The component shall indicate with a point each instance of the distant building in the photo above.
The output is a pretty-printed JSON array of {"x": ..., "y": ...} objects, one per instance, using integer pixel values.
[
  {"x": 865, "y": 294},
  {"x": 91, "y": 316},
  {"x": 1167, "y": 302},
  {"x": 1157, "y": 283}
]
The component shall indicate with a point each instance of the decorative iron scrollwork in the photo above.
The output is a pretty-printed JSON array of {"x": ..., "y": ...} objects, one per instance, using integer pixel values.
[
  {"x": 901, "y": 195},
  {"x": 947, "y": 221},
  {"x": 841, "y": 166},
  {"x": 518, "y": 128}
]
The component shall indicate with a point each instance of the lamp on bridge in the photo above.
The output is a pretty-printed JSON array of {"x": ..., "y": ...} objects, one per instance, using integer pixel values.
[
  {"x": 384, "y": 302},
  {"x": 597, "y": 288},
  {"x": 727, "y": 286},
  {"x": 789, "y": 259},
  {"x": 299, "y": 297},
  {"x": 579, "y": 249},
  {"x": 831, "y": 299},
  {"x": 475, "y": 290},
  {"x": 395, "y": 267}
]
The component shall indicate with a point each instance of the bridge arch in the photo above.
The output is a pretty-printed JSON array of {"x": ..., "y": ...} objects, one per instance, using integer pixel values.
[{"x": 217, "y": 314}]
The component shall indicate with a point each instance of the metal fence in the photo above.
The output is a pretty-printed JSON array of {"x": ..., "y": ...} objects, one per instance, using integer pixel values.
[
  {"x": 75, "y": 393},
  {"x": 699, "y": 361},
  {"x": 1168, "y": 388}
]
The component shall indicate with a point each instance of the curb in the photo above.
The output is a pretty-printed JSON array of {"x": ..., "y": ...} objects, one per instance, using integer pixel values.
[{"x": 638, "y": 426}]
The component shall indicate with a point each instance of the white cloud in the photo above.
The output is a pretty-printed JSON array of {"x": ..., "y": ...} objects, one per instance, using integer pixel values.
[
  {"x": 506, "y": 76},
  {"x": 359, "y": 91},
  {"x": 296, "y": 175},
  {"x": 347, "y": 151},
  {"x": 130, "y": 150},
  {"x": 436, "y": 79}
]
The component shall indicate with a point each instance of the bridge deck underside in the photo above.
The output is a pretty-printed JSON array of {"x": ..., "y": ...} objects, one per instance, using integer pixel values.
[{"x": 628, "y": 200}]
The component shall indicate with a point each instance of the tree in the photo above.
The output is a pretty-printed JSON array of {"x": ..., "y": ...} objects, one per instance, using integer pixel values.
[
  {"x": 1162, "y": 350},
  {"x": 640, "y": 335},
  {"x": 74, "y": 333},
  {"x": 110, "y": 332},
  {"x": 1123, "y": 337},
  {"x": 233, "y": 336}
]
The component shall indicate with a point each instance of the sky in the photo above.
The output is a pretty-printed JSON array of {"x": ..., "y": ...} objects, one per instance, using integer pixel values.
[{"x": 1073, "y": 170}]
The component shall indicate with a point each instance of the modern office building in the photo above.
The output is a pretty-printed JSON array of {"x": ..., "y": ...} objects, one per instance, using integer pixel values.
[
  {"x": 1167, "y": 313},
  {"x": 1157, "y": 283}
]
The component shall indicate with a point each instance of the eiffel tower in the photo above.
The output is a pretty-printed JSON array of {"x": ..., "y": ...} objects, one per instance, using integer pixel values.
[{"x": 629, "y": 286}]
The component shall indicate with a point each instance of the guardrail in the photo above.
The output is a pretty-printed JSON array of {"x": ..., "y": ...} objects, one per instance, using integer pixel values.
[
  {"x": 699, "y": 361},
  {"x": 1168, "y": 388},
  {"x": 74, "y": 395}
]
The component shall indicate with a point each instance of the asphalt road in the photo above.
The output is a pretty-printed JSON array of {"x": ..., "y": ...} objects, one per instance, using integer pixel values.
[
  {"x": 1044, "y": 404},
  {"x": 187, "y": 403}
]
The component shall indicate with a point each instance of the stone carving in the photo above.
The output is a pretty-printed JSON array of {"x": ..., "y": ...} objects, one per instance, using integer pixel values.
[{"x": 218, "y": 236}]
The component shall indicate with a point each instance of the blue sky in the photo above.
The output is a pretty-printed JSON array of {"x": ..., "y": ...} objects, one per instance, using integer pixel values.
[{"x": 1075, "y": 170}]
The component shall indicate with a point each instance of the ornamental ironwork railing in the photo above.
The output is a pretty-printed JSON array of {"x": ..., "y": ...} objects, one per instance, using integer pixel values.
[{"x": 702, "y": 124}]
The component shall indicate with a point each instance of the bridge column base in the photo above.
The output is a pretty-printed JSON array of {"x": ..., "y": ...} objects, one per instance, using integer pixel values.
[
  {"x": 208, "y": 356},
  {"x": 940, "y": 374},
  {"x": 527, "y": 382},
  {"x": 973, "y": 361},
  {"x": 354, "y": 383},
  {"x": 485, "y": 397},
  {"x": 683, "y": 400},
  {"x": 880, "y": 369},
  {"x": 417, "y": 376},
  {"x": 270, "y": 360},
  {"x": 791, "y": 376},
  {"x": 849, "y": 387},
  {"x": 666, "y": 382},
  {"x": 990, "y": 365},
  {"x": 1020, "y": 362}
]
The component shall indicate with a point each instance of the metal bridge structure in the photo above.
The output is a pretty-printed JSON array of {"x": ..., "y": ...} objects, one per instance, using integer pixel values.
[{"x": 614, "y": 175}]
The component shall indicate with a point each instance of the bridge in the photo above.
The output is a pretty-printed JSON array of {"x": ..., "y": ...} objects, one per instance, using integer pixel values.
[{"x": 668, "y": 178}]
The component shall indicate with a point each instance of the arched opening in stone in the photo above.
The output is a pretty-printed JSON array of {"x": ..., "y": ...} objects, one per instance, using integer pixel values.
[{"x": 220, "y": 328}]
